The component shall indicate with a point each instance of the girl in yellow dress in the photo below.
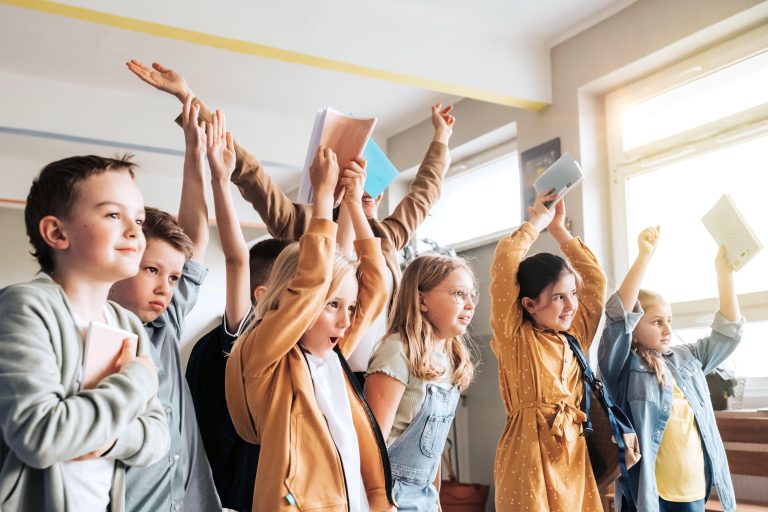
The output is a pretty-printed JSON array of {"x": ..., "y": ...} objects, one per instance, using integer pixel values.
[{"x": 542, "y": 463}]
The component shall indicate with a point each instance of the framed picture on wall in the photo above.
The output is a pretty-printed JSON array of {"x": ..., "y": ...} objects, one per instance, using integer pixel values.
[{"x": 533, "y": 162}]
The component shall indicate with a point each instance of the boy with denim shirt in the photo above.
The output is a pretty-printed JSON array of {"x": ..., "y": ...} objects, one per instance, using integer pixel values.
[
  {"x": 63, "y": 447},
  {"x": 162, "y": 294}
]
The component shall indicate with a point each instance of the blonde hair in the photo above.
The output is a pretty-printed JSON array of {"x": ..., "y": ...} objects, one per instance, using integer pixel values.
[
  {"x": 652, "y": 358},
  {"x": 284, "y": 269},
  {"x": 416, "y": 332}
]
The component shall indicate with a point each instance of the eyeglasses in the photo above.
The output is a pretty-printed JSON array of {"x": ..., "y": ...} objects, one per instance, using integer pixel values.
[{"x": 461, "y": 295}]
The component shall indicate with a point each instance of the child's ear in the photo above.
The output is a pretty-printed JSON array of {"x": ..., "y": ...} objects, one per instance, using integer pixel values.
[
  {"x": 52, "y": 232},
  {"x": 422, "y": 306},
  {"x": 528, "y": 304},
  {"x": 258, "y": 293}
]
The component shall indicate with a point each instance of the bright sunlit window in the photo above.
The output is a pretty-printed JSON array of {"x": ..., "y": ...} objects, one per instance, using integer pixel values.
[
  {"x": 676, "y": 197},
  {"x": 677, "y": 143},
  {"x": 490, "y": 192},
  {"x": 733, "y": 89}
]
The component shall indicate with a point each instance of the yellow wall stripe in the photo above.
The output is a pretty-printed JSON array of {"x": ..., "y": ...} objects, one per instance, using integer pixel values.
[{"x": 269, "y": 52}]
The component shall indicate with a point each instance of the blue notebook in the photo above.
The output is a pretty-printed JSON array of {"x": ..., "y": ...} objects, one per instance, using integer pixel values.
[{"x": 379, "y": 169}]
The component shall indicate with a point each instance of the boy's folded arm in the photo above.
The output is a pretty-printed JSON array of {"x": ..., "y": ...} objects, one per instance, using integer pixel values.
[
  {"x": 145, "y": 440},
  {"x": 40, "y": 423},
  {"x": 506, "y": 313},
  {"x": 372, "y": 294}
]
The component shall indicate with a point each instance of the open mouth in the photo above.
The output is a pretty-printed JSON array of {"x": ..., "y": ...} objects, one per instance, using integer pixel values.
[{"x": 334, "y": 340}]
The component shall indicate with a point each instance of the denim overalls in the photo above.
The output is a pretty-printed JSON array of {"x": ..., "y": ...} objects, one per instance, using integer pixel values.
[{"x": 415, "y": 455}]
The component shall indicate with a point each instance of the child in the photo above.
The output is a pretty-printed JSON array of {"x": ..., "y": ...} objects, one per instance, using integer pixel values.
[
  {"x": 287, "y": 382},
  {"x": 233, "y": 461},
  {"x": 288, "y": 220},
  {"x": 663, "y": 389},
  {"x": 418, "y": 371},
  {"x": 162, "y": 294},
  {"x": 542, "y": 462},
  {"x": 63, "y": 447}
]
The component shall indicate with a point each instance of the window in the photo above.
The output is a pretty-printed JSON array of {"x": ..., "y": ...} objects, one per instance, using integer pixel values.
[
  {"x": 477, "y": 204},
  {"x": 678, "y": 140}
]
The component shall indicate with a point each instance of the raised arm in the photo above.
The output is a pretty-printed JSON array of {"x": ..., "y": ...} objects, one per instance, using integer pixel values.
[
  {"x": 729, "y": 304},
  {"x": 425, "y": 191},
  {"x": 592, "y": 294},
  {"x": 623, "y": 312},
  {"x": 630, "y": 286},
  {"x": 506, "y": 312},
  {"x": 193, "y": 209},
  {"x": 283, "y": 218},
  {"x": 161, "y": 78},
  {"x": 372, "y": 293},
  {"x": 221, "y": 159}
]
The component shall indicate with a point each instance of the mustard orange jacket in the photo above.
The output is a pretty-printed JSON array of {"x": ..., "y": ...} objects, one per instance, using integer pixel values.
[{"x": 271, "y": 397}]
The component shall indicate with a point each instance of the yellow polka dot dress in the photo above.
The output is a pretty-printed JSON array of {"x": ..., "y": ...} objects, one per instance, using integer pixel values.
[{"x": 542, "y": 462}]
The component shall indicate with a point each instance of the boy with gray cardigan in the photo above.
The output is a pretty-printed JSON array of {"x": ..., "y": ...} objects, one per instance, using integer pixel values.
[{"x": 63, "y": 447}]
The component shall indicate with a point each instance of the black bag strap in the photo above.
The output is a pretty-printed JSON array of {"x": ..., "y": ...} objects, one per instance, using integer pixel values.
[{"x": 596, "y": 386}]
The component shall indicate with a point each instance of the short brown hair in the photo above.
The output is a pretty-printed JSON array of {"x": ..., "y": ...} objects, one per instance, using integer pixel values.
[
  {"x": 163, "y": 226},
  {"x": 261, "y": 258},
  {"x": 55, "y": 190}
]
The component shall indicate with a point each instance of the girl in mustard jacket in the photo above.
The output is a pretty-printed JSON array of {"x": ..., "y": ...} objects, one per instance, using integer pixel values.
[{"x": 288, "y": 384}]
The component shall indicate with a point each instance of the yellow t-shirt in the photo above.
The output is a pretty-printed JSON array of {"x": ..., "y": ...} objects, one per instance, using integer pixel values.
[{"x": 680, "y": 463}]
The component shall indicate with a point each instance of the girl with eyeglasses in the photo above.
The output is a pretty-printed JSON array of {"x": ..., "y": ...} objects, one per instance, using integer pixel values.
[
  {"x": 417, "y": 372},
  {"x": 542, "y": 463}
]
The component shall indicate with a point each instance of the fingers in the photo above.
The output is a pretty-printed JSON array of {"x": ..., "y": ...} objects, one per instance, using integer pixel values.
[
  {"x": 447, "y": 110},
  {"x": 230, "y": 142},
  {"x": 186, "y": 110},
  {"x": 159, "y": 67}
]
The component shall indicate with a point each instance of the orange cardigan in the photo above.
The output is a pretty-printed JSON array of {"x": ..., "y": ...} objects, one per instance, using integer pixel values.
[{"x": 271, "y": 397}]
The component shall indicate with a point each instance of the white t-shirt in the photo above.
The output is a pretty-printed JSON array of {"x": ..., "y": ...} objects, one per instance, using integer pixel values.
[
  {"x": 333, "y": 402},
  {"x": 88, "y": 482},
  {"x": 358, "y": 360}
]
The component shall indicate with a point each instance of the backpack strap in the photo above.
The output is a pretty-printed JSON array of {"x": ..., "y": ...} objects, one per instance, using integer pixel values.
[{"x": 617, "y": 427}]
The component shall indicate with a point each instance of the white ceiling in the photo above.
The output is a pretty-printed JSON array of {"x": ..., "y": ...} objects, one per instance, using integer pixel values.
[{"x": 65, "y": 88}]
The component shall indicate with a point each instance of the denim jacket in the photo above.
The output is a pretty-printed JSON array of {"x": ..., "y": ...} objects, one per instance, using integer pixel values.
[{"x": 633, "y": 386}]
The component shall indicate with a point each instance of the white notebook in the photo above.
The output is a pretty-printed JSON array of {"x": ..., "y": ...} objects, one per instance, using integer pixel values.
[
  {"x": 102, "y": 352},
  {"x": 560, "y": 178},
  {"x": 728, "y": 228}
]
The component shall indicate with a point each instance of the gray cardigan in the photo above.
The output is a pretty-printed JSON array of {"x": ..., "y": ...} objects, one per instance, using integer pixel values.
[{"x": 45, "y": 420}]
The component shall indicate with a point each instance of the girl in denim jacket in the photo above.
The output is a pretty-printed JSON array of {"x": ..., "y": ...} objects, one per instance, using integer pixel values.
[{"x": 662, "y": 388}]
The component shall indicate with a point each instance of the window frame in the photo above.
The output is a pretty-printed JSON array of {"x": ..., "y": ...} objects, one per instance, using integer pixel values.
[{"x": 730, "y": 130}]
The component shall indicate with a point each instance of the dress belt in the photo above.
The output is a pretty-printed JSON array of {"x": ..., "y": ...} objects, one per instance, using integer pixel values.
[{"x": 565, "y": 412}]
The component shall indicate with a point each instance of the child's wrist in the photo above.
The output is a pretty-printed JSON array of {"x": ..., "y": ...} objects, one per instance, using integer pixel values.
[{"x": 441, "y": 135}]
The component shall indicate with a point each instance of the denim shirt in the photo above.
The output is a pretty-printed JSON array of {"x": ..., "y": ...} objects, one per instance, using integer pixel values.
[
  {"x": 182, "y": 480},
  {"x": 633, "y": 386}
]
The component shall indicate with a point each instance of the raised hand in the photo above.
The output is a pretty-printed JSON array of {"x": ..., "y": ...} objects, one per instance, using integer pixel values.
[
  {"x": 352, "y": 178},
  {"x": 126, "y": 356},
  {"x": 443, "y": 122},
  {"x": 541, "y": 216},
  {"x": 221, "y": 148},
  {"x": 647, "y": 240},
  {"x": 324, "y": 176},
  {"x": 371, "y": 205},
  {"x": 161, "y": 78},
  {"x": 194, "y": 130},
  {"x": 722, "y": 265}
]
